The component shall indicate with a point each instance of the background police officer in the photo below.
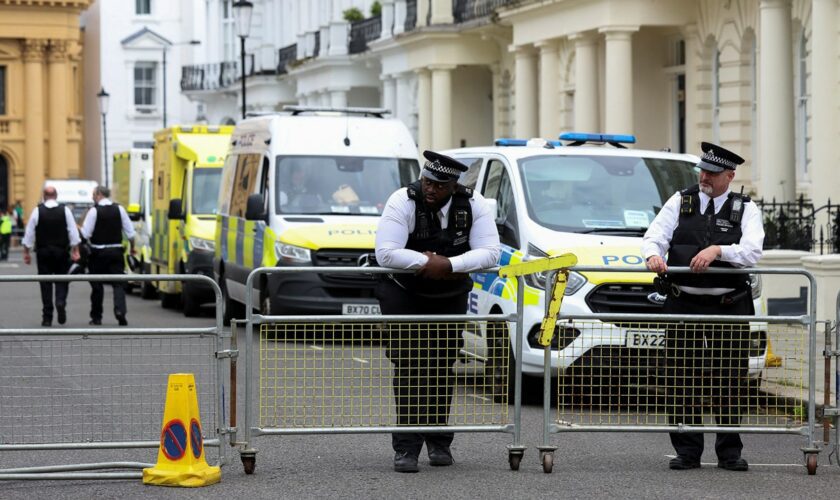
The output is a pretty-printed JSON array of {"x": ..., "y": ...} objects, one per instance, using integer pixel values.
[
  {"x": 442, "y": 230},
  {"x": 53, "y": 233},
  {"x": 707, "y": 225},
  {"x": 104, "y": 227}
]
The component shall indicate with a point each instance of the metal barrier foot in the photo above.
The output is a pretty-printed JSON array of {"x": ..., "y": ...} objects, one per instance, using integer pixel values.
[
  {"x": 547, "y": 458},
  {"x": 515, "y": 454},
  {"x": 249, "y": 460}
]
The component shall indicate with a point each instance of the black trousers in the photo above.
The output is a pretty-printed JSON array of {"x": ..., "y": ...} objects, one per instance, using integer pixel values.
[
  {"x": 106, "y": 261},
  {"x": 422, "y": 355},
  {"x": 706, "y": 362},
  {"x": 52, "y": 260},
  {"x": 5, "y": 239}
]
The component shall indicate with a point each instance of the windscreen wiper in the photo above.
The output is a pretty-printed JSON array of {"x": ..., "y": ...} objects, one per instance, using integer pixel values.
[{"x": 614, "y": 230}]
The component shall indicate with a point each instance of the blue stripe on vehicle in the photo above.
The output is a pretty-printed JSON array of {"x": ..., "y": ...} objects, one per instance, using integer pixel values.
[
  {"x": 223, "y": 248},
  {"x": 240, "y": 243}
]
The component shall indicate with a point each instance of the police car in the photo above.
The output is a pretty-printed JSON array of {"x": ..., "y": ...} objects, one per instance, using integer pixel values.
[{"x": 590, "y": 195}]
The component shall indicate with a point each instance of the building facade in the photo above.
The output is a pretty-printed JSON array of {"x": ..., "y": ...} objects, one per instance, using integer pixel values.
[{"x": 41, "y": 124}]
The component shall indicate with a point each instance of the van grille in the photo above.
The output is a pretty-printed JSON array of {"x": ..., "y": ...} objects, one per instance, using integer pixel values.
[
  {"x": 342, "y": 258},
  {"x": 622, "y": 298}
]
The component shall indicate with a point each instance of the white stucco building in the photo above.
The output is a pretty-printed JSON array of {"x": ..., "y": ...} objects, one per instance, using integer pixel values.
[{"x": 134, "y": 51}]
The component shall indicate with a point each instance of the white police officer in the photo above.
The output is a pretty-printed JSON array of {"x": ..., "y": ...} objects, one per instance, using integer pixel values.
[
  {"x": 442, "y": 230},
  {"x": 707, "y": 225}
]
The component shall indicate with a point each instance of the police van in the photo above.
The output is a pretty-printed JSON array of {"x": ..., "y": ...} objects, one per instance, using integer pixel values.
[
  {"x": 306, "y": 188},
  {"x": 591, "y": 196}
]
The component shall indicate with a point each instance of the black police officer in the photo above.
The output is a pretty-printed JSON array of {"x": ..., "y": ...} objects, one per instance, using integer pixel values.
[
  {"x": 442, "y": 230},
  {"x": 707, "y": 225}
]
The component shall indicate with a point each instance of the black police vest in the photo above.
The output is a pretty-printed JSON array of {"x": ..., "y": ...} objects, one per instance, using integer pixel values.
[
  {"x": 696, "y": 231},
  {"x": 429, "y": 236},
  {"x": 51, "y": 230},
  {"x": 108, "y": 228}
]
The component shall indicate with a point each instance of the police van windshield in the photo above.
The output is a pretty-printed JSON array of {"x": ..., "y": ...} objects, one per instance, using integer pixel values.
[
  {"x": 587, "y": 194},
  {"x": 339, "y": 184},
  {"x": 205, "y": 190}
]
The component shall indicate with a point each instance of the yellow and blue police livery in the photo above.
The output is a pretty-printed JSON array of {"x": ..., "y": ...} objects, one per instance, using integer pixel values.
[
  {"x": 590, "y": 196},
  {"x": 306, "y": 188}
]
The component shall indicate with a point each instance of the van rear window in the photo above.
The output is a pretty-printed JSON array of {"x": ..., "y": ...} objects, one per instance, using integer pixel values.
[{"x": 329, "y": 185}]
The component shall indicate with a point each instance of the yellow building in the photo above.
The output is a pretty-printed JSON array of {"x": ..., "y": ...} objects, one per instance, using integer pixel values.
[{"x": 40, "y": 96}]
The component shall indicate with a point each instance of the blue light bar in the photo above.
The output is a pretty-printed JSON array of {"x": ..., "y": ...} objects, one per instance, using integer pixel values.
[
  {"x": 608, "y": 138},
  {"x": 511, "y": 142}
]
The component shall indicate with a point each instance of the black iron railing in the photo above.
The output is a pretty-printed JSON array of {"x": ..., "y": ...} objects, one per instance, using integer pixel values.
[
  {"x": 317, "y": 44},
  {"x": 285, "y": 56},
  {"x": 214, "y": 76},
  {"x": 467, "y": 10},
  {"x": 363, "y": 32},
  {"x": 798, "y": 225},
  {"x": 410, "y": 15}
]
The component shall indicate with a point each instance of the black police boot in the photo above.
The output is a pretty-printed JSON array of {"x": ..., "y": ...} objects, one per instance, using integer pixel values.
[
  {"x": 734, "y": 464},
  {"x": 683, "y": 463},
  {"x": 62, "y": 315},
  {"x": 440, "y": 456},
  {"x": 404, "y": 462},
  {"x": 121, "y": 320},
  {"x": 46, "y": 322}
]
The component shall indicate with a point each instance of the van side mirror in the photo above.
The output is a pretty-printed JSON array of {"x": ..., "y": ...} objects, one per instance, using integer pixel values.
[
  {"x": 176, "y": 210},
  {"x": 255, "y": 208}
]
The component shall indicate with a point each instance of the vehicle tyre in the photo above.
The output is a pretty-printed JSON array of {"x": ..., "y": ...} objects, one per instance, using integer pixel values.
[
  {"x": 192, "y": 307},
  {"x": 170, "y": 300},
  {"x": 147, "y": 291},
  {"x": 232, "y": 309},
  {"x": 499, "y": 370}
]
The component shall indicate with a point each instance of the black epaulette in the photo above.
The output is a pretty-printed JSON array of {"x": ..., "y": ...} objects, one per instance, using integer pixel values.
[
  {"x": 413, "y": 193},
  {"x": 464, "y": 191}
]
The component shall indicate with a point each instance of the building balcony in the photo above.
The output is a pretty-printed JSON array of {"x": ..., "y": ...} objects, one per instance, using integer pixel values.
[
  {"x": 467, "y": 10},
  {"x": 363, "y": 32},
  {"x": 214, "y": 76},
  {"x": 286, "y": 56}
]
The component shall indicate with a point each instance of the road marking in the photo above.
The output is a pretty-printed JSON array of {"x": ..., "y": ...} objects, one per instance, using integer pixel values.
[
  {"x": 751, "y": 464},
  {"x": 360, "y": 360},
  {"x": 10, "y": 265},
  {"x": 316, "y": 347},
  {"x": 476, "y": 396}
]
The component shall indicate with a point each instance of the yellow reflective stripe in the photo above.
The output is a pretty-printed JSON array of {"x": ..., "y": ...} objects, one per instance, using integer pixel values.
[{"x": 248, "y": 244}]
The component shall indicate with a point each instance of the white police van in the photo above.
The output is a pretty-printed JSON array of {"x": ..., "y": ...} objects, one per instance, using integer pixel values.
[{"x": 595, "y": 198}]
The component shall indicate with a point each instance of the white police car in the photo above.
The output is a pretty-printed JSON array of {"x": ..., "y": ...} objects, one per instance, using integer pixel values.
[{"x": 595, "y": 198}]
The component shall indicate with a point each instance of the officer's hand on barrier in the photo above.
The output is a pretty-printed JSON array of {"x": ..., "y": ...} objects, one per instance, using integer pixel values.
[
  {"x": 438, "y": 267},
  {"x": 704, "y": 258},
  {"x": 656, "y": 264},
  {"x": 74, "y": 254}
]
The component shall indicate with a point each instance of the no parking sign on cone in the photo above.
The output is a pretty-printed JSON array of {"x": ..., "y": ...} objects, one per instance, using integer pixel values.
[{"x": 181, "y": 460}]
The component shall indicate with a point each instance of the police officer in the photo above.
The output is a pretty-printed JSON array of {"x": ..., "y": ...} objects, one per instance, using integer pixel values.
[
  {"x": 104, "y": 227},
  {"x": 5, "y": 232},
  {"x": 707, "y": 225},
  {"x": 52, "y": 231},
  {"x": 442, "y": 230}
]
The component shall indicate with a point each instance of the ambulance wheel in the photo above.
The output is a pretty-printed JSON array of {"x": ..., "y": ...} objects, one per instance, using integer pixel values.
[
  {"x": 147, "y": 290},
  {"x": 811, "y": 463},
  {"x": 192, "y": 307},
  {"x": 548, "y": 462},
  {"x": 249, "y": 463},
  {"x": 170, "y": 300}
]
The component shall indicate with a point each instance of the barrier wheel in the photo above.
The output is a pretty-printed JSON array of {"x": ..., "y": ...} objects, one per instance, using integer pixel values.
[
  {"x": 548, "y": 462},
  {"x": 514, "y": 459},
  {"x": 811, "y": 463},
  {"x": 249, "y": 463}
]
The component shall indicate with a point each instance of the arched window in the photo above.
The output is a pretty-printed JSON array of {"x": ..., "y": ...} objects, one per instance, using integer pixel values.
[
  {"x": 716, "y": 95},
  {"x": 801, "y": 93}
]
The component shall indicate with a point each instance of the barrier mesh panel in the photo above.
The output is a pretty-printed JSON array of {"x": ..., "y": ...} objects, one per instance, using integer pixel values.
[
  {"x": 660, "y": 374},
  {"x": 377, "y": 375},
  {"x": 98, "y": 389}
]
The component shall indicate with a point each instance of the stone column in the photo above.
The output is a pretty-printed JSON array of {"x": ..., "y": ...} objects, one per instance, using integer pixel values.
[
  {"x": 389, "y": 94},
  {"x": 587, "y": 114},
  {"x": 400, "y": 13},
  {"x": 403, "y": 100},
  {"x": 387, "y": 19},
  {"x": 777, "y": 160},
  {"x": 441, "y": 12},
  {"x": 526, "y": 93},
  {"x": 33, "y": 122},
  {"x": 441, "y": 106},
  {"x": 57, "y": 58},
  {"x": 338, "y": 97},
  {"x": 692, "y": 81},
  {"x": 619, "y": 80},
  {"x": 548, "y": 112},
  {"x": 423, "y": 7},
  {"x": 496, "y": 72},
  {"x": 424, "y": 109},
  {"x": 824, "y": 77}
]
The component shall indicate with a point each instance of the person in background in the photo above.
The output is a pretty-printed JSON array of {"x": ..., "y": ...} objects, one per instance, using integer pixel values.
[
  {"x": 53, "y": 234},
  {"x": 104, "y": 227},
  {"x": 706, "y": 225},
  {"x": 6, "y": 224}
]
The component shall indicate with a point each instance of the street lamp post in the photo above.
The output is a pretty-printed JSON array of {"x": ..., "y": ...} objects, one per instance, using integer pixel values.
[
  {"x": 243, "y": 10},
  {"x": 165, "y": 48},
  {"x": 103, "y": 97}
]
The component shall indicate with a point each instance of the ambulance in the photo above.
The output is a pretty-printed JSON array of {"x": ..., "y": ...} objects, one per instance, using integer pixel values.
[
  {"x": 187, "y": 171},
  {"x": 592, "y": 196},
  {"x": 131, "y": 188},
  {"x": 306, "y": 188}
]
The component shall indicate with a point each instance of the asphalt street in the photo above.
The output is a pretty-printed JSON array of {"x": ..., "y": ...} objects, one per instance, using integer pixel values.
[{"x": 589, "y": 465}]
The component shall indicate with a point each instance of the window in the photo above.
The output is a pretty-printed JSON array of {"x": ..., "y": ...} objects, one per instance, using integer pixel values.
[
  {"x": 145, "y": 78},
  {"x": 245, "y": 182},
  {"x": 2, "y": 90},
  {"x": 498, "y": 187},
  {"x": 801, "y": 133},
  {"x": 470, "y": 177},
  {"x": 142, "y": 7},
  {"x": 228, "y": 31}
]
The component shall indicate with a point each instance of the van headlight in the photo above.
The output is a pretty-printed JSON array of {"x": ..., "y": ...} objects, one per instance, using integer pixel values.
[
  {"x": 573, "y": 283},
  {"x": 202, "y": 244},
  {"x": 755, "y": 285},
  {"x": 291, "y": 254}
]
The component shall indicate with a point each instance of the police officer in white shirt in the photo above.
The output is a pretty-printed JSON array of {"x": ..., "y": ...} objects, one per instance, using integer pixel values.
[
  {"x": 707, "y": 225},
  {"x": 52, "y": 231},
  {"x": 104, "y": 227},
  {"x": 443, "y": 231}
]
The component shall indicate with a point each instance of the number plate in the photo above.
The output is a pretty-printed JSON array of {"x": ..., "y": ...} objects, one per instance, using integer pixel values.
[
  {"x": 654, "y": 340},
  {"x": 365, "y": 309}
]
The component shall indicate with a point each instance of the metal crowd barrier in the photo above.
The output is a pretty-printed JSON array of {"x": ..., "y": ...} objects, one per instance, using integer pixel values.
[
  {"x": 831, "y": 414},
  {"x": 628, "y": 372},
  {"x": 95, "y": 389},
  {"x": 336, "y": 374}
]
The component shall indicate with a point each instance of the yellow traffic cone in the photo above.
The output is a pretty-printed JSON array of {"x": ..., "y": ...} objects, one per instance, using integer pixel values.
[{"x": 181, "y": 460}]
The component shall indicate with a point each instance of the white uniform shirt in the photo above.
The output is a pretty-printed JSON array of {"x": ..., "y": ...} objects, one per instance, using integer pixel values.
[
  {"x": 745, "y": 253},
  {"x": 90, "y": 223},
  {"x": 397, "y": 223},
  {"x": 72, "y": 230}
]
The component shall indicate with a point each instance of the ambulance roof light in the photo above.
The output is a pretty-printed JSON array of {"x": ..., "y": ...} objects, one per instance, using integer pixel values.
[{"x": 616, "y": 140}]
